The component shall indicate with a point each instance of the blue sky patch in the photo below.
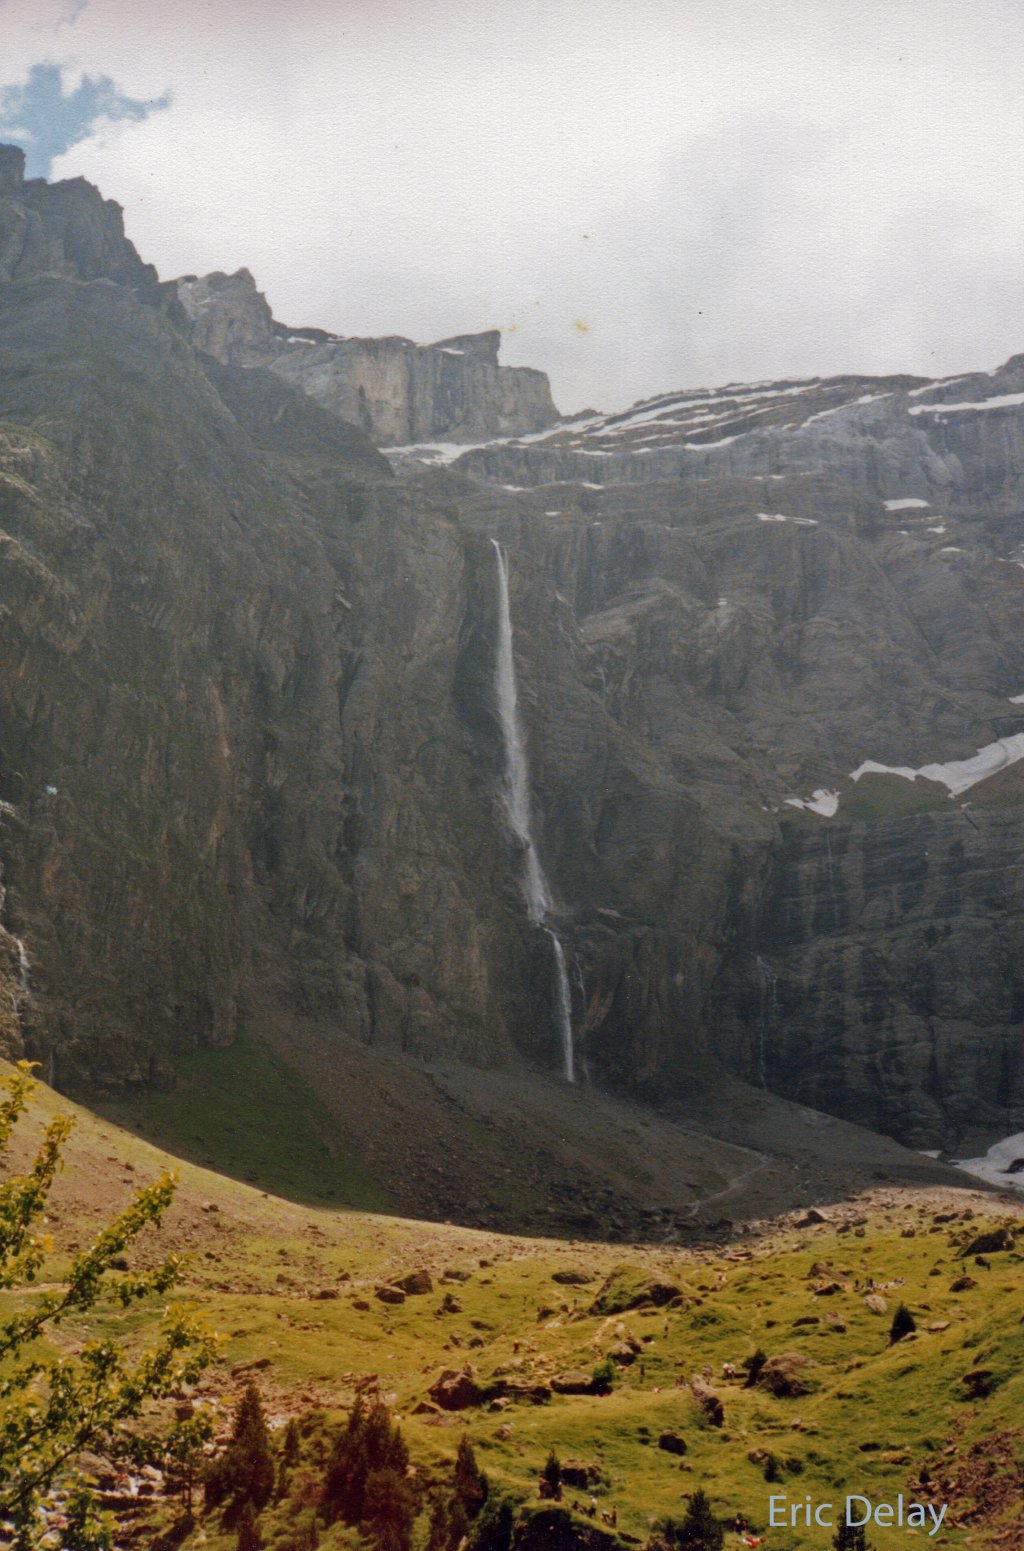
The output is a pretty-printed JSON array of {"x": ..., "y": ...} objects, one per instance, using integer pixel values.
[{"x": 46, "y": 121}]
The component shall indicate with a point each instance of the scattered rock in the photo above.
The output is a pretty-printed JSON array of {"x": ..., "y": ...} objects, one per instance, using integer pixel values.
[
  {"x": 455, "y": 1391},
  {"x": 989, "y": 1243},
  {"x": 710, "y": 1404},
  {"x": 672, "y": 1442},
  {"x": 978, "y": 1383},
  {"x": 787, "y": 1375},
  {"x": 389, "y": 1294},
  {"x": 582, "y": 1473},
  {"x": 573, "y": 1382},
  {"x": 416, "y": 1283}
]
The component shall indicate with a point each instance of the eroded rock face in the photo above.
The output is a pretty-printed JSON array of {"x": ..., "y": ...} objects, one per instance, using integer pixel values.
[
  {"x": 249, "y": 734},
  {"x": 65, "y": 229},
  {"x": 395, "y": 391}
]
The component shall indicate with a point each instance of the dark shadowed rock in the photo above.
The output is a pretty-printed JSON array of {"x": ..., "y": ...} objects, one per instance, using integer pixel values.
[{"x": 455, "y": 1391}]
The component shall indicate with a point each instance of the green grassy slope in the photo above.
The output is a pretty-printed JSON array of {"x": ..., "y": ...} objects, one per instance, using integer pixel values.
[{"x": 294, "y": 1287}]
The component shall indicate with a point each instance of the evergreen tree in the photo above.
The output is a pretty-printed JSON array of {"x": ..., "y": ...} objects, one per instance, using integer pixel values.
[
  {"x": 245, "y": 1473},
  {"x": 249, "y": 1537},
  {"x": 753, "y": 1366},
  {"x": 389, "y": 1510},
  {"x": 458, "y": 1524},
  {"x": 492, "y": 1529},
  {"x": 470, "y": 1481},
  {"x": 903, "y": 1322},
  {"x": 437, "y": 1533},
  {"x": 289, "y": 1457},
  {"x": 850, "y": 1537},
  {"x": 552, "y": 1472},
  {"x": 697, "y": 1530},
  {"x": 369, "y": 1443}
]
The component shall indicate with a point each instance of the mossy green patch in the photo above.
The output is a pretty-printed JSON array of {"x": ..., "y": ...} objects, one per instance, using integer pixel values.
[{"x": 241, "y": 1111}]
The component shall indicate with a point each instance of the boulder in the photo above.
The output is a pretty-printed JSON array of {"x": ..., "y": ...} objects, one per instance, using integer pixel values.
[
  {"x": 788, "y": 1375},
  {"x": 710, "y": 1404},
  {"x": 582, "y": 1473},
  {"x": 989, "y": 1243},
  {"x": 389, "y": 1294},
  {"x": 574, "y": 1382},
  {"x": 455, "y": 1390},
  {"x": 415, "y": 1283},
  {"x": 672, "y": 1442}
]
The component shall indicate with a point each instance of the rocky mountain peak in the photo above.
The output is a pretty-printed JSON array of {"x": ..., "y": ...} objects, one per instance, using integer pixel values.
[
  {"x": 12, "y": 168},
  {"x": 65, "y": 229},
  {"x": 396, "y": 391}
]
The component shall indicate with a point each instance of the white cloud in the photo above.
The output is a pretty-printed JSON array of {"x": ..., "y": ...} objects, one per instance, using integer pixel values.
[{"x": 644, "y": 196}]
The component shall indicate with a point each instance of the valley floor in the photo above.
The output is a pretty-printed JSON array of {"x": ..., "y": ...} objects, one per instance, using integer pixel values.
[{"x": 937, "y": 1417}]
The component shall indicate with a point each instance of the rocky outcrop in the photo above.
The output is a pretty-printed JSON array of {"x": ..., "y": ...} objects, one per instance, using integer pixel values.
[
  {"x": 394, "y": 391},
  {"x": 66, "y": 229}
]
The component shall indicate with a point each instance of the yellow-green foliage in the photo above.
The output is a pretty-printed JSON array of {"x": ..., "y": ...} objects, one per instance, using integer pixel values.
[{"x": 295, "y": 1287}]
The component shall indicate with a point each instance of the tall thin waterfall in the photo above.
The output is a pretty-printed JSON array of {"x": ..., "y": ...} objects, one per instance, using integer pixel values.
[
  {"x": 516, "y": 796},
  {"x": 768, "y": 994}
]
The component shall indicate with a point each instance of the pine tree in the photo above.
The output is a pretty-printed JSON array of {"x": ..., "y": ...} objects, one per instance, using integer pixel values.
[
  {"x": 249, "y": 1537},
  {"x": 903, "y": 1322},
  {"x": 438, "y": 1532},
  {"x": 389, "y": 1510},
  {"x": 552, "y": 1472},
  {"x": 697, "y": 1530},
  {"x": 470, "y": 1481},
  {"x": 245, "y": 1473},
  {"x": 850, "y": 1537},
  {"x": 492, "y": 1529},
  {"x": 753, "y": 1366}
]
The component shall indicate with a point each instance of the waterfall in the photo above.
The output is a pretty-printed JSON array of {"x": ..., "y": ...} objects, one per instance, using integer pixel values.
[
  {"x": 24, "y": 967},
  {"x": 767, "y": 983},
  {"x": 516, "y": 798},
  {"x": 563, "y": 1003}
]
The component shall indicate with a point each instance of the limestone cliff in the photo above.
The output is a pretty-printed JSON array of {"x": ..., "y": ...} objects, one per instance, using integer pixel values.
[
  {"x": 250, "y": 754},
  {"x": 395, "y": 391}
]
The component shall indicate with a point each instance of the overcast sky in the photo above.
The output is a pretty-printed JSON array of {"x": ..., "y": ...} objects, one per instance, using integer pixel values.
[{"x": 642, "y": 194}]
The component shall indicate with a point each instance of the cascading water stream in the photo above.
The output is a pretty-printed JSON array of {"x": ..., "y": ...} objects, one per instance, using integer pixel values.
[
  {"x": 24, "y": 965},
  {"x": 768, "y": 984},
  {"x": 516, "y": 796}
]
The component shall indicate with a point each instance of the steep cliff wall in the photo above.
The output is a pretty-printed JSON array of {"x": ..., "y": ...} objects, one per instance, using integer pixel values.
[
  {"x": 249, "y": 749},
  {"x": 395, "y": 391}
]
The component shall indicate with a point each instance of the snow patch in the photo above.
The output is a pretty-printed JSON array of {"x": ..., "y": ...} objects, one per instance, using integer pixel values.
[
  {"x": 904, "y": 503},
  {"x": 959, "y": 774},
  {"x": 799, "y": 522},
  {"x": 933, "y": 387},
  {"x": 820, "y": 801},
  {"x": 1001, "y": 401},
  {"x": 996, "y": 1163}
]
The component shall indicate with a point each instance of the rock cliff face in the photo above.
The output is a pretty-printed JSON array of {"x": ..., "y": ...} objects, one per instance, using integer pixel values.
[
  {"x": 395, "y": 391},
  {"x": 250, "y": 755}
]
